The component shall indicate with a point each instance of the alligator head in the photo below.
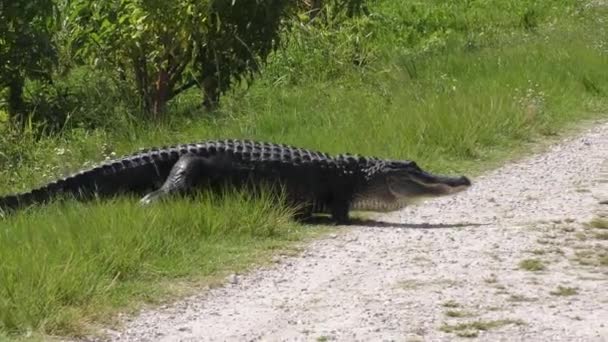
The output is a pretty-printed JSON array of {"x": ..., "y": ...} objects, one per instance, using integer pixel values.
[{"x": 393, "y": 185}]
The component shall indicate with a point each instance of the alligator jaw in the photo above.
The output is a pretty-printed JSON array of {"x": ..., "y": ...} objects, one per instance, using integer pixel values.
[
  {"x": 444, "y": 185},
  {"x": 402, "y": 183}
]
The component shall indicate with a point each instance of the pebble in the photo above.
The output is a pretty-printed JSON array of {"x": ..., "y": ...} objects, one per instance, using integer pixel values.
[{"x": 233, "y": 279}]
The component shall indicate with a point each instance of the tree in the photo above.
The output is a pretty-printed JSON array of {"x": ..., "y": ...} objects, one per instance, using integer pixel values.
[
  {"x": 165, "y": 47},
  {"x": 26, "y": 48}
]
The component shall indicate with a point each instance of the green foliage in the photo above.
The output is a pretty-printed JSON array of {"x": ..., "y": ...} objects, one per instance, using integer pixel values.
[
  {"x": 389, "y": 28},
  {"x": 335, "y": 36},
  {"x": 239, "y": 36},
  {"x": 213, "y": 44},
  {"x": 80, "y": 99},
  {"x": 26, "y": 48},
  {"x": 309, "y": 10}
]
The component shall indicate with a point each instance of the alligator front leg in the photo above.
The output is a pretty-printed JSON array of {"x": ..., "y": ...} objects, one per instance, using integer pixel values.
[
  {"x": 339, "y": 211},
  {"x": 189, "y": 172}
]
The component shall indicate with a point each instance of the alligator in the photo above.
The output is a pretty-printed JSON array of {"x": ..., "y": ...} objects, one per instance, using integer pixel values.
[{"x": 313, "y": 181}]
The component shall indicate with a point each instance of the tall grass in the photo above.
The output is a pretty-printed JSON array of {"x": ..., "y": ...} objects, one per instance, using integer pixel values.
[
  {"x": 68, "y": 263},
  {"x": 453, "y": 85}
]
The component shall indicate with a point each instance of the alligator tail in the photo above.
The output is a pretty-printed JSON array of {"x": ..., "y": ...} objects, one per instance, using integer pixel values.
[{"x": 136, "y": 173}]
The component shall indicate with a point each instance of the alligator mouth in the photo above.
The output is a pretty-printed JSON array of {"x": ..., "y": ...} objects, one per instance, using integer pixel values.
[
  {"x": 423, "y": 184},
  {"x": 440, "y": 184}
]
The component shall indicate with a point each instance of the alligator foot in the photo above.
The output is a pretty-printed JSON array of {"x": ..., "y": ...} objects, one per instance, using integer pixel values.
[
  {"x": 339, "y": 212},
  {"x": 189, "y": 172}
]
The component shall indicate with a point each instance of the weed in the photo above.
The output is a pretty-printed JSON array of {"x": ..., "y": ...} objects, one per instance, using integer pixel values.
[
  {"x": 533, "y": 265},
  {"x": 521, "y": 298},
  {"x": 451, "y": 304},
  {"x": 410, "y": 284},
  {"x": 597, "y": 256},
  {"x": 472, "y": 329},
  {"x": 564, "y": 291},
  {"x": 568, "y": 229},
  {"x": 601, "y": 236},
  {"x": 457, "y": 313},
  {"x": 599, "y": 223}
]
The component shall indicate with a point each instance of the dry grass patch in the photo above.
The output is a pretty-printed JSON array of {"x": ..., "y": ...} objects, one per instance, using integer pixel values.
[
  {"x": 451, "y": 304},
  {"x": 521, "y": 298},
  {"x": 564, "y": 291},
  {"x": 458, "y": 313},
  {"x": 599, "y": 223},
  {"x": 532, "y": 265},
  {"x": 472, "y": 329}
]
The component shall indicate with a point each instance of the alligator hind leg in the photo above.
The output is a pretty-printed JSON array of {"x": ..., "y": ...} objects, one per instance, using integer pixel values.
[
  {"x": 339, "y": 212},
  {"x": 189, "y": 172}
]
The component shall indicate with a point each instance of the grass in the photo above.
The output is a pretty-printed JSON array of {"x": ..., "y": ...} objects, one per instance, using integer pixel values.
[
  {"x": 457, "y": 313},
  {"x": 595, "y": 253},
  {"x": 521, "y": 298},
  {"x": 599, "y": 223},
  {"x": 564, "y": 291},
  {"x": 532, "y": 265},
  {"x": 410, "y": 284},
  {"x": 592, "y": 256},
  {"x": 472, "y": 329},
  {"x": 456, "y": 89},
  {"x": 451, "y": 304},
  {"x": 69, "y": 263},
  {"x": 601, "y": 236}
]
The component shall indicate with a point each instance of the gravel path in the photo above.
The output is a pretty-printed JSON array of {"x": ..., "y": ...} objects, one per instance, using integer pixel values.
[{"x": 443, "y": 270}]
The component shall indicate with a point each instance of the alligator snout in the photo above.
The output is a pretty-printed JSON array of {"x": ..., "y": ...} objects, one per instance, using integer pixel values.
[{"x": 460, "y": 181}]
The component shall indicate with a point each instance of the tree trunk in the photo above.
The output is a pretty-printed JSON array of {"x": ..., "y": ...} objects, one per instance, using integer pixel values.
[
  {"x": 141, "y": 82},
  {"x": 160, "y": 94},
  {"x": 16, "y": 106},
  {"x": 211, "y": 92}
]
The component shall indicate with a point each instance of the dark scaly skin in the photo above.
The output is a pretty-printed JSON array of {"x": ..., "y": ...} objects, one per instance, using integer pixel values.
[
  {"x": 149, "y": 168},
  {"x": 316, "y": 180}
]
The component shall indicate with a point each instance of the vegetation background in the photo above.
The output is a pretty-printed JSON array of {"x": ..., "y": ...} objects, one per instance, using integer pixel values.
[{"x": 454, "y": 85}]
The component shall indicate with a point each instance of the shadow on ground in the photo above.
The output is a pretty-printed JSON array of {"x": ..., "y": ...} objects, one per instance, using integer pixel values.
[{"x": 321, "y": 220}]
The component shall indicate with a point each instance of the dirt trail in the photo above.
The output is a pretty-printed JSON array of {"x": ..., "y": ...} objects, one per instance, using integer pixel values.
[{"x": 443, "y": 263}]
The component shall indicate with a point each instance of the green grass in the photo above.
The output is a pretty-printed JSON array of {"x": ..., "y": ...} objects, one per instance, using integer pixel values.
[
  {"x": 601, "y": 236},
  {"x": 457, "y": 89},
  {"x": 451, "y": 304},
  {"x": 471, "y": 329},
  {"x": 599, "y": 223},
  {"x": 457, "y": 313},
  {"x": 592, "y": 256},
  {"x": 533, "y": 265},
  {"x": 564, "y": 291},
  {"x": 69, "y": 263}
]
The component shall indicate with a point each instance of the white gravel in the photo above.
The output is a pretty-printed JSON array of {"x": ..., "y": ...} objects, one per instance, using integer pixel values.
[{"x": 392, "y": 281}]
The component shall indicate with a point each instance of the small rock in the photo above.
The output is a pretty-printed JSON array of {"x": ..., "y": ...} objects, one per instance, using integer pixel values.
[{"x": 233, "y": 279}]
